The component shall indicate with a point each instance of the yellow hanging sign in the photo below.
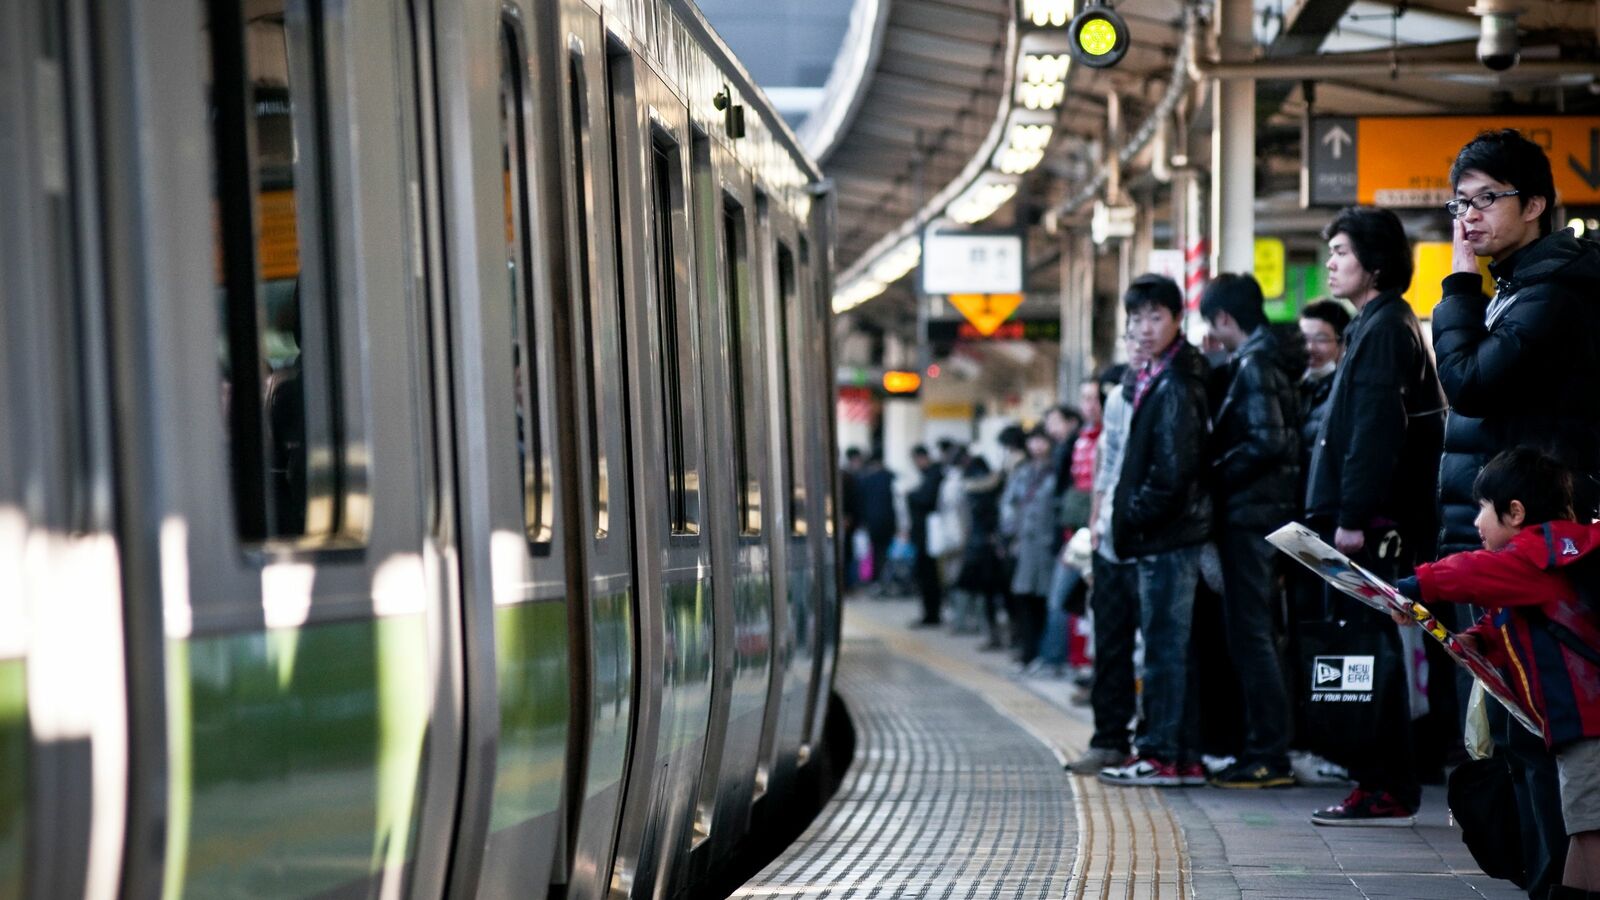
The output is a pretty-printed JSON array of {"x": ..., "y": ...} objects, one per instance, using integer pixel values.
[{"x": 986, "y": 311}]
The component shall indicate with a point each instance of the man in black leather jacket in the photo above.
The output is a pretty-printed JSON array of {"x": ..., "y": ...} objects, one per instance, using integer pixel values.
[
  {"x": 1255, "y": 462},
  {"x": 1518, "y": 371},
  {"x": 1161, "y": 515},
  {"x": 1371, "y": 481}
]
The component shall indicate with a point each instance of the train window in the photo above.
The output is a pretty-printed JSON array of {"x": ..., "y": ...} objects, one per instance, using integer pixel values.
[
  {"x": 741, "y": 332},
  {"x": 273, "y": 273},
  {"x": 665, "y": 199},
  {"x": 532, "y": 463},
  {"x": 810, "y": 289},
  {"x": 585, "y": 299},
  {"x": 791, "y": 364}
]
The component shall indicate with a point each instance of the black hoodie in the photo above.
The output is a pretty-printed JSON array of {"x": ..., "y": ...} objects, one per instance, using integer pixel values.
[{"x": 1528, "y": 378}]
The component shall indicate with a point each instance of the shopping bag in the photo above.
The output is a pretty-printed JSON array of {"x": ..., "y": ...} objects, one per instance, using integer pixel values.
[{"x": 1352, "y": 676}]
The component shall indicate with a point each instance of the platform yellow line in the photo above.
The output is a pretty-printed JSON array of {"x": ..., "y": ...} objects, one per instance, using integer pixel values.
[{"x": 1117, "y": 826}]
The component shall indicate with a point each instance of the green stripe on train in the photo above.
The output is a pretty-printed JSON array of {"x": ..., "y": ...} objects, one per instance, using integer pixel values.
[
  {"x": 295, "y": 757},
  {"x": 531, "y": 659},
  {"x": 13, "y": 776}
]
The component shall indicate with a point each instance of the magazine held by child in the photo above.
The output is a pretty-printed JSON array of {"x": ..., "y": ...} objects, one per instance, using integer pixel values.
[{"x": 1338, "y": 570}]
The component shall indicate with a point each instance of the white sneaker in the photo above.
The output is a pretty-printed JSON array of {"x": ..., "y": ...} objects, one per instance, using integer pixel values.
[
  {"x": 1143, "y": 771},
  {"x": 1312, "y": 770}
]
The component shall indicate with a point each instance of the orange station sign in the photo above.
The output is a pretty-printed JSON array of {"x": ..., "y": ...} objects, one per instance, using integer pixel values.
[{"x": 1405, "y": 161}]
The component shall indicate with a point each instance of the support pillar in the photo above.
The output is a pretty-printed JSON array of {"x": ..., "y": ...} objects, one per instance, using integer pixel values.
[
  {"x": 1233, "y": 150},
  {"x": 1078, "y": 353}
]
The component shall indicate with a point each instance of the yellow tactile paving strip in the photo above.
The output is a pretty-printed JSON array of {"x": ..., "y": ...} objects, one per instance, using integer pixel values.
[{"x": 1130, "y": 845}]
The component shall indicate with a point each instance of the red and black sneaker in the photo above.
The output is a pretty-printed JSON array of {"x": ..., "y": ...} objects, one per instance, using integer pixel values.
[{"x": 1370, "y": 808}]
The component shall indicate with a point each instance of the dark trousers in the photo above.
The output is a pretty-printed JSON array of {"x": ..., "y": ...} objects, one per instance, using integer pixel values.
[
  {"x": 1249, "y": 592},
  {"x": 1166, "y": 615},
  {"x": 928, "y": 584},
  {"x": 880, "y": 555},
  {"x": 1538, "y": 792},
  {"x": 1114, "y": 599},
  {"x": 1027, "y": 625}
]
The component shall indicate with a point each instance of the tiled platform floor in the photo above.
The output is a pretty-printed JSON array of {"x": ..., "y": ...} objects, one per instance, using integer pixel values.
[{"x": 957, "y": 792}]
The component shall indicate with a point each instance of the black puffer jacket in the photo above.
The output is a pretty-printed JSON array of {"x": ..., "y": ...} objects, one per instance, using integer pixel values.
[
  {"x": 1530, "y": 378},
  {"x": 1255, "y": 468},
  {"x": 1375, "y": 461},
  {"x": 1161, "y": 502}
]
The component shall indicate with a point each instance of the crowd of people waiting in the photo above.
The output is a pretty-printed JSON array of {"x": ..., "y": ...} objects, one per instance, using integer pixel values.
[{"x": 1161, "y": 485}]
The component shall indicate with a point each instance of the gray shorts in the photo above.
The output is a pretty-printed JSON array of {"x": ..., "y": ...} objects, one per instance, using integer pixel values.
[{"x": 1578, "y": 765}]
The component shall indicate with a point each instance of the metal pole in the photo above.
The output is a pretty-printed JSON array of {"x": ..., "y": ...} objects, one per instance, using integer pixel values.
[{"x": 1233, "y": 138}]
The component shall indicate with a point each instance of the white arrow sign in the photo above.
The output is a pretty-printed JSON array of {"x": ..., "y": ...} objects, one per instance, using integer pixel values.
[{"x": 1336, "y": 139}]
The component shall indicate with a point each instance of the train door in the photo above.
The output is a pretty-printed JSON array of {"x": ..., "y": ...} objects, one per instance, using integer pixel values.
[
  {"x": 286, "y": 519},
  {"x": 63, "y": 722},
  {"x": 794, "y": 604},
  {"x": 733, "y": 385},
  {"x": 502, "y": 364},
  {"x": 605, "y": 626},
  {"x": 651, "y": 131},
  {"x": 822, "y": 493}
]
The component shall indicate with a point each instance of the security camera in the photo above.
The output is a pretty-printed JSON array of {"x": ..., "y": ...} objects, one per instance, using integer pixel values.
[{"x": 1498, "y": 48}]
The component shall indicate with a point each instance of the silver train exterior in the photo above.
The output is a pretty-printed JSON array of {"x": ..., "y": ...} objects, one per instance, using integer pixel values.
[{"x": 415, "y": 450}]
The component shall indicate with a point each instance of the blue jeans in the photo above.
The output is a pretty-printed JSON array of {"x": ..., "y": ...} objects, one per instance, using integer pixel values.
[
  {"x": 1166, "y": 611},
  {"x": 1053, "y": 645}
]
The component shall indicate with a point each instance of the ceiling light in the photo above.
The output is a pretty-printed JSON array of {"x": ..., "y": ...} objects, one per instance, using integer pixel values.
[{"x": 1047, "y": 13}]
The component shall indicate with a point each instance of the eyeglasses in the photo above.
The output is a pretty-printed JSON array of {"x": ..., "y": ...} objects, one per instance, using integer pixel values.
[{"x": 1458, "y": 207}]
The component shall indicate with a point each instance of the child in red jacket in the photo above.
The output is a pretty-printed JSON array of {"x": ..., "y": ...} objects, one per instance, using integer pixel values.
[{"x": 1542, "y": 629}]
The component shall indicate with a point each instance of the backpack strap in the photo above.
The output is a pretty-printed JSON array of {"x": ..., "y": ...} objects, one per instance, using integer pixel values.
[{"x": 1565, "y": 636}]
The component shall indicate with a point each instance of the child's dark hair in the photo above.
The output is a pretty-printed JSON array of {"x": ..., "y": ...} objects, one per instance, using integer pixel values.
[{"x": 1539, "y": 482}]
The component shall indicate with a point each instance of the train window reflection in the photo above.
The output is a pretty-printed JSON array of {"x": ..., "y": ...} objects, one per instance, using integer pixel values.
[
  {"x": 272, "y": 274},
  {"x": 741, "y": 331},
  {"x": 788, "y": 318},
  {"x": 532, "y": 462},
  {"x": 665, "y": 198},
  {"x": 582, "y": 147}
]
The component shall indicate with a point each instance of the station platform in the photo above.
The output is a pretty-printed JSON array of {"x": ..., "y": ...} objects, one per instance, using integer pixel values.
[{"x": 957, "y": 790}]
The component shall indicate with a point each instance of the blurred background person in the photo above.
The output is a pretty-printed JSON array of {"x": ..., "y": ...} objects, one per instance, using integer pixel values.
[
  {"x": 921, "y": 504},
  {"x": 1028, "y": 520},
  {"x": 875, "y": 504}
]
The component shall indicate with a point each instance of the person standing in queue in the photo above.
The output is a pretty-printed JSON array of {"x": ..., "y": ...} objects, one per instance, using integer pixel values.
[
  {"x": 1114, "y": 582},
  {"x": 1255, "y": 465},
  {"x": 1372, "y": 476},
  {"x": 1160, "y": 518},
  {"x": 1518, "y": 370},
  {"x": 922, "y": 502},
  {"x": 1322, "y": 326},
  {"x": 1028, "y": 520}
]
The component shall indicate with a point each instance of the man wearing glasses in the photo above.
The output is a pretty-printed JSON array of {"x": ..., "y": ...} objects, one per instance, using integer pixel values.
[{"x": 1520, "y": 368}]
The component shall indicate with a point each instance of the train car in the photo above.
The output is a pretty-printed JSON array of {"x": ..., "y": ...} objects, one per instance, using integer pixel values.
[{"x": 415, "y": 450}]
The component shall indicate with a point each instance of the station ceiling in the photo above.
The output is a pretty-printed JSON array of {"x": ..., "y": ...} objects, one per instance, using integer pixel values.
[{"x": 936, "y": 80}]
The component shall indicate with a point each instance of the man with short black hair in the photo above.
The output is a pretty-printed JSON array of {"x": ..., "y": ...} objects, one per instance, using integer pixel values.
[
  {"x": 1255, "y": 464},
  {"x": 1160, "y": 517},
  {"x": 1518, "y": 369}
]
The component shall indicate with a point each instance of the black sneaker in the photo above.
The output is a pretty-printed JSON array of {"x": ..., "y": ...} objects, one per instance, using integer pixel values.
[
  {"x": 1246, "y": 776},
  {"x": 1369, "y": 808}
]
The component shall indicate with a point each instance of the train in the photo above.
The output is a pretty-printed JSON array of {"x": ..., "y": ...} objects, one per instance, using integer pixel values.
[{"x": 416, "y": 451}]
